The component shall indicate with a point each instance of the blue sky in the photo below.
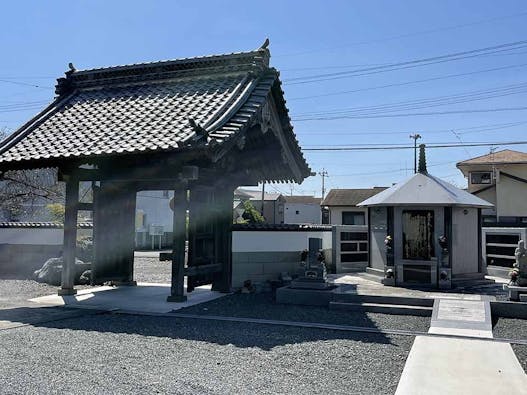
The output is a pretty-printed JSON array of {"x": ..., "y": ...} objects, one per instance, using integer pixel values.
[{"x": 39, "y": 39}]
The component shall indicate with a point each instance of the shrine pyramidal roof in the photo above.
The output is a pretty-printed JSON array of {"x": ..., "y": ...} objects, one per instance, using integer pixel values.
[{"x": 151, "y": 107}]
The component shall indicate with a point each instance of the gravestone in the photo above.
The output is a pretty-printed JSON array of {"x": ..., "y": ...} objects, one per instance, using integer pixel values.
[{"x": 314, "y": 275}]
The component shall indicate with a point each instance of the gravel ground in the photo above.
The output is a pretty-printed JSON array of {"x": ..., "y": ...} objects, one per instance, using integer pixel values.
[
  {"x": 521, "y": 354},
  {"x": 128, "y": 354},
  {"x": 15, "y": 291},
  {"x": 262, "y": 306},
  {"x": 152, "y": 270},
  {"x": 511, "y": 328}
]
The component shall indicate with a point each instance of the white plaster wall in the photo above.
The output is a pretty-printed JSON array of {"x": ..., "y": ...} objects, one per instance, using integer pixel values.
[
  {"x": 156, "y": 208},
  {"x": 307, "y": 213},
  {"x": 511, "y": 197},
  {"x": 336, "y": 214},
  {"x": 505, "y": 198},
  {"x": 465, "y": 230},
  {"x": 36, "y": 236},
  {"x": 254, "y": 241}
]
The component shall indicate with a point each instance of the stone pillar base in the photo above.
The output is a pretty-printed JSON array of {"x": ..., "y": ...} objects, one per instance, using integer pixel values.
[
  {"x": 177, "y": 298},
  {"x": 66, "y": 291}
]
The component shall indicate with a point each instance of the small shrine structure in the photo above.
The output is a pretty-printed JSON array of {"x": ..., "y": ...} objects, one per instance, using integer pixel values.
[
  {"x": 425, "y": 232},
  {"x": 199, "y": 126}
]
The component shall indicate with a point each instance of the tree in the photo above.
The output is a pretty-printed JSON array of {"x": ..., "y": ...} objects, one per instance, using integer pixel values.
[
  {"x": 251, "y": 215},
  {"x": 26, "y": 192},
  {"x": 56, "y": 212}
]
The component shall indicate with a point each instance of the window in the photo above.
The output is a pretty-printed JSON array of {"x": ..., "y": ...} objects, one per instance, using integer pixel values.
[
  {"x": 481, "y": 177},
  {"x": 418, "y": 234},
  {"x": 297, "y": 212},
  {"x": 353, "y": 218}
]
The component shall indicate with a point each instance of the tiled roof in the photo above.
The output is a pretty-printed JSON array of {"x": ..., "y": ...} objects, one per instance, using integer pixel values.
[
  {"x": 302, "y": 199},
  {"x": 504, "y": 156},
  {"x": 281, "y": 227},
  {"x": 349, "y": 197},
  {"x": 257, "y": 195},
  {"x": 43, "y": 225},
  {"x": 161, "y": 106}
]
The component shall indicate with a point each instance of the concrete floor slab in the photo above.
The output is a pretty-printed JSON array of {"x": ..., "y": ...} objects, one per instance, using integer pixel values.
[
  {"x": 446, "y": 366},
  {"x": 363, "y": 286},
  {"x": 145, "y": 297}
]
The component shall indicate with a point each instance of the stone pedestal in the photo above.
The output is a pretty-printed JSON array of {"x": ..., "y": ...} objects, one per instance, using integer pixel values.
[{"x": 444, "y": 275}]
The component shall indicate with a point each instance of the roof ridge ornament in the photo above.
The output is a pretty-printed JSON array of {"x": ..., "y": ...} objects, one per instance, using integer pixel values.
[
  {"x": 198, "y": 129},
  {"x": 422, "y": 159},
  {"x": 265, "y": 45}
]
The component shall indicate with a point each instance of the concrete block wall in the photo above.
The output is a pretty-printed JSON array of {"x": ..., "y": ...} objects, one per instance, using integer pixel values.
[
  {"x": 261, "y": 256},
  {"x": 24, "y": 247}
]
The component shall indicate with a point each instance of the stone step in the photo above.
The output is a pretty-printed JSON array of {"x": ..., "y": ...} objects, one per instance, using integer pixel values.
[
  {"x": 350, "y": 297},
  {"x": 498, "y": 271},
  {"x": 462, "y": 283},
  {"x": 385, "y": 308},
  {"x": 370, "y": 276}
]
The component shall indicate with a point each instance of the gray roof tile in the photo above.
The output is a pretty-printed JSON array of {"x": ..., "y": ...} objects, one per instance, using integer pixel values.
[{"x": 349, "y": 197}]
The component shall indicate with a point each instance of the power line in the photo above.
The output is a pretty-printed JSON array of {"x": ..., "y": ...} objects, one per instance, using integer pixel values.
[
  {"x": 464, "y": 97},
  {"x": 407, "y": 83},
  {"x": 485, "y": 110},
  {"x": 422, "y": 32},
  {"x": 393, "y": 147},
  {"x": 466, "y": 130},
  {"x": 25, "y": 84},
  {"x": 409, "y": 64}
]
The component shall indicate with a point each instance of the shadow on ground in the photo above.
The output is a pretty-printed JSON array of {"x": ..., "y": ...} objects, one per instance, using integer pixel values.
[{"x": 238, "y": 334}]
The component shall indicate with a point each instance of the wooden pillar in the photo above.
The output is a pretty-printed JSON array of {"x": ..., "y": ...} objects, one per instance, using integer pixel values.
[
  {"x": 114, "y": 233},
  {"x": 177, "y": 290},
  {"x": 70, "y": 237},
  {"x": 223, "y": 239}
]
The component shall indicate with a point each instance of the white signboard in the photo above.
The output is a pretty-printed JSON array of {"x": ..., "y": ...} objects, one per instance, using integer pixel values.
[{"x": 156, "y": 230}]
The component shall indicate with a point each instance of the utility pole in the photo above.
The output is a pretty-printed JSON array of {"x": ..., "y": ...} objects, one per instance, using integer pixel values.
[
  {"x": 324, "y": 174},
  {"x": 415, "y": 137}
]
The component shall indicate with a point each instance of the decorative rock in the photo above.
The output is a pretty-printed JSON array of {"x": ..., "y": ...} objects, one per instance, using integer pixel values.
[
  {"x": 51, "y": 271},
  {"x": 85, "y": 277}
]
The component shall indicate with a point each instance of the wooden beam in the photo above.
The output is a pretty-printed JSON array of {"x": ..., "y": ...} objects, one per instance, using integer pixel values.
[
  {"x": 85, "y": 206},
  {"x": 177, "y": 292},
  {"x": 203, "y": 269},
  {"x": 70, "y": 237}
]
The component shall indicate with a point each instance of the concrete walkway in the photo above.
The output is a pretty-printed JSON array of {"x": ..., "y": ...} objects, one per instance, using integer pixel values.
[
  {"x": 445, "y": 365},
  {"x": 143, "y": 298}
]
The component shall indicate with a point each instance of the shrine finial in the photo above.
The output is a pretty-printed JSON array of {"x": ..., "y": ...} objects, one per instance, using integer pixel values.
[{"x": 422, "y": 159}]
